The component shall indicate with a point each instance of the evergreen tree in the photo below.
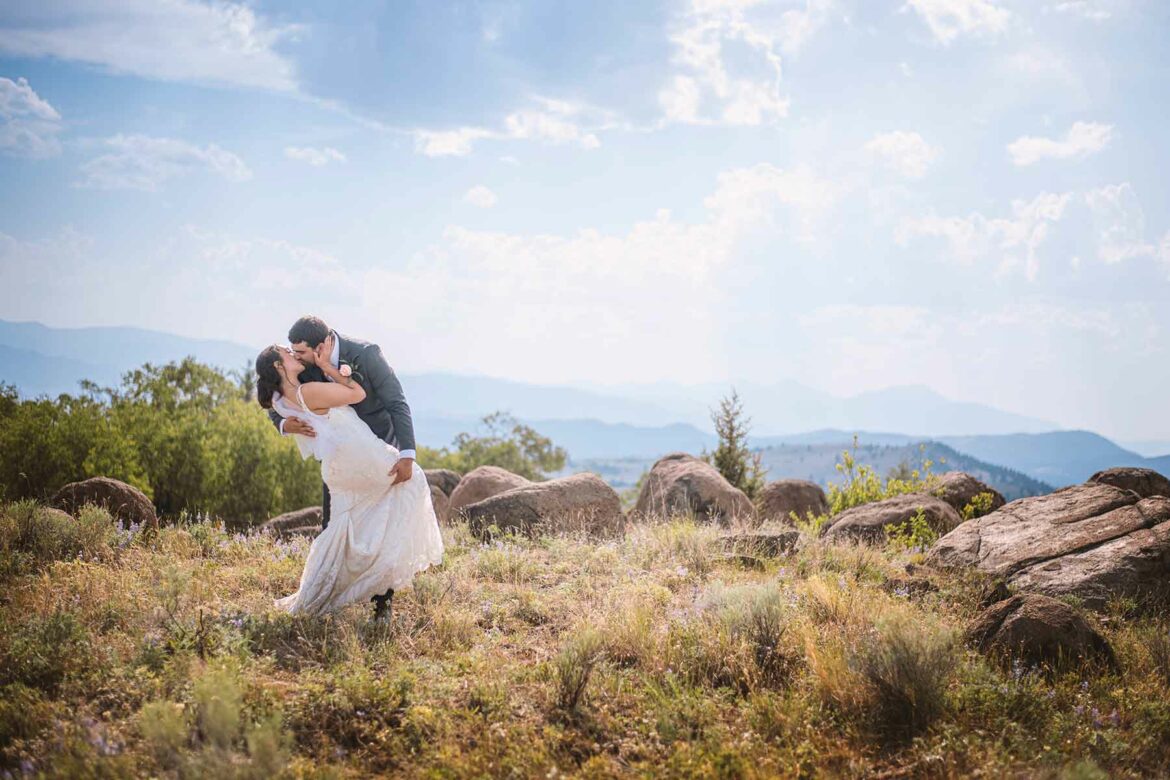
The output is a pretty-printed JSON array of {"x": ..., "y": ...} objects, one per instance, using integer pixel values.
[{"x": 738, "y": 464}]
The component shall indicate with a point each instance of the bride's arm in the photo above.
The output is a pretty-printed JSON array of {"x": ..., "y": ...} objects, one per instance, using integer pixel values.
[{"x": 342, "y": 391}]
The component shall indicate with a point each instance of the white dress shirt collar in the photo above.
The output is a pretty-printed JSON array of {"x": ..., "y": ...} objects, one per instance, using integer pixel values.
[{"x": 335, "y": 356}]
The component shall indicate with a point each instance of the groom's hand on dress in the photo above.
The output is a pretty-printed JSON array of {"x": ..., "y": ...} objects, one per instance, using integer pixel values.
[
  {"x": 402, "y": 470},
  {"x": 297, "y": 425}
]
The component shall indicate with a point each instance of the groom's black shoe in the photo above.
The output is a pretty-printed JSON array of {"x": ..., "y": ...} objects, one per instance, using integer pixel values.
[{"x": 382, "y": 607}]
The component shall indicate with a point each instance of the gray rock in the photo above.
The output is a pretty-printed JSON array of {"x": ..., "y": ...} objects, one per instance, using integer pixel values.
[
  {"x": 299, "y": 522},
  {"x": 1145, "y": 482},
  {"x": 1038, "y": 630},
  {"x": 125, "y": 502},
  {"x": 681, "y": 484},
  {"x": 445, "y": 479},
  {"x": 483, "y": 482},
  {"x": 441, "y": 504},
  {"x": 578, "y": 502},
  {"x": 1093, "y": 541},
  {"x": 764, "y": 542},
  {"x": 867, "y": 523},
  {"x": 959, "y": 489},
  {"x": 781, "y": 498}
]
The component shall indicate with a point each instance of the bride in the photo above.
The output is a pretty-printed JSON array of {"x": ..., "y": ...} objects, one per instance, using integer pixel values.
[{"x": 380, "y": 535}]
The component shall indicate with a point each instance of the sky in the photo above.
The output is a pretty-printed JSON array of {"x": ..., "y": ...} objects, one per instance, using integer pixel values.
[{"x": 969, "y": 195}]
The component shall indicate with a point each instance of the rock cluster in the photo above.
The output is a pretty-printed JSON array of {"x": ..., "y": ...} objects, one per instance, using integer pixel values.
[{"x": 1095, "y": 541}]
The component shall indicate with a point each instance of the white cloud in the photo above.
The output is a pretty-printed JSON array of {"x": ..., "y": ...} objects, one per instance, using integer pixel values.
[
  {"x": 735, "y": 90},
  {"x": 949, "y": 19},
  {"x": 1014, "y": 240},
  {"x": 906, "y": 152},
  {"x": 28, "y": 124},
  {"x": 221, "y": 43},
  {"x": 1119, "y": 222},
  {"x": 1093, "y": 10},
  {"x": 551, "y": 122},
  {"x": 313, "y": 156},
  {"x": 480, "y": 197},
  {"x": 144, "y": 163},
  {"x": 1081, "y": 140}
]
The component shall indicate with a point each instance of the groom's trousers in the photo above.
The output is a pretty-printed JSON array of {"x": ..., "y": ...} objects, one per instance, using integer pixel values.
[{"x": 324, "y": 506}]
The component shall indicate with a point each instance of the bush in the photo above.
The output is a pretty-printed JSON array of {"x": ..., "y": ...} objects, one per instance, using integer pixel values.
[
  {"x": 506, "y": 443},
  {"x": 32, "y": 536},
  {"x": 186, "y": 434},
  {"x": 914, "y": 534},
  {"x": 45, "y": 651},
  {"x": 891, "y": 679},
  {"x": 574, "y": 665},
  {"x": 862, "y": 485}
]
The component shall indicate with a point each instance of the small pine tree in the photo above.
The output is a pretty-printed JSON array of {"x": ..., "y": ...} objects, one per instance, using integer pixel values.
[{"x": 738, "y": 464}]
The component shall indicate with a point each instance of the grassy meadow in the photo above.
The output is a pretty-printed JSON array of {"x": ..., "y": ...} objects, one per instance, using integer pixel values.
[{"x": 655, "y": 653}]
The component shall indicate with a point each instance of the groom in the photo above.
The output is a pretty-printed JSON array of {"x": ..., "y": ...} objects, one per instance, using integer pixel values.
[{"x": 385, "y": 409}]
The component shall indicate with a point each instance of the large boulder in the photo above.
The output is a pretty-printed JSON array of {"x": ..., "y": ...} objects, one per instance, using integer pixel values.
[
  {"x": 125, "y": 502},
  {"x": 1093, "y": 541},
  {"x": 444, "y": 479},
  {"x": 867, "y": 523},
  {"x": 781, "y": 498},
  {"x": 441, "y": 503},
  {"x": 1038, "y": 630},
  {"x": 578, "y": 502},
  {"x": 299, "y": 522},
  {"x": 483, "y": 482},
  {"x": 959, "y": 489},
  {"x": 1144, "y": 482},
  {"x": 682, "y": 484}
]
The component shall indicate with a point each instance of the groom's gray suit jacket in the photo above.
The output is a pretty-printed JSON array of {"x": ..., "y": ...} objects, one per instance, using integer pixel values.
[{"x": 384, "y": 409}]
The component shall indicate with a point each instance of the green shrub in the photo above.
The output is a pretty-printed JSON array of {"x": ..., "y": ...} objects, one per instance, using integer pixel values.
[
  {"x": 978, "y": 506},
  {"x": 903, "y": 667},
  {"x": 506, "y": 443},
  {"x": 218, "y": 699},
  {"x": 573, "y": 666},
  {"x": 44, "y": 651},
  {"x": 32, "y": 536},
  {"x": 913, "y": 534},
  {"x": 862, "y": 485}
]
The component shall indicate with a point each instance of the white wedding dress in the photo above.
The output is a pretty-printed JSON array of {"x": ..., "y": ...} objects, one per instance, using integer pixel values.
[{"x": 378, "y": 536}]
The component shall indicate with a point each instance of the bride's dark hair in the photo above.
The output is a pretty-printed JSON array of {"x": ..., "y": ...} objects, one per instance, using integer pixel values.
[{"x": 267, "y": 377}]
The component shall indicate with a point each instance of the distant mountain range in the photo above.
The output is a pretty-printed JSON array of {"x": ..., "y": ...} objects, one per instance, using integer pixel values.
[{"x": 630, "y": 424}]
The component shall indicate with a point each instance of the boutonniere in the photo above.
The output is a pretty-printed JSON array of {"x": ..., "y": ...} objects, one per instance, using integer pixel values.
[{"x": 348, "y": 371}]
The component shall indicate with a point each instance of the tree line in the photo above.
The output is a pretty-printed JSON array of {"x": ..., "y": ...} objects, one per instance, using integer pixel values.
[{"x": 195, "y": 441}]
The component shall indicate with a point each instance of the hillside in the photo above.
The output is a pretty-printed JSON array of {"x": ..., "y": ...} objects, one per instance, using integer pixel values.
[
  {"x": 1058, "y": 458},
  {"x": 74, "y": 354}
]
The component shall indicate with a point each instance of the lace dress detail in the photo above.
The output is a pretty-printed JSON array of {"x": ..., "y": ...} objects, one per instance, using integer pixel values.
[{"x": 378, "y": 536}]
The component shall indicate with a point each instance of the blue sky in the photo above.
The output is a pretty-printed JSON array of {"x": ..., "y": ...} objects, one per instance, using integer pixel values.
[{"x": 965, "y": 194}]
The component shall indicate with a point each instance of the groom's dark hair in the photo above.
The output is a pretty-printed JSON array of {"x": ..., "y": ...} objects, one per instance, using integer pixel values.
[{"x": 311, "y": 330}]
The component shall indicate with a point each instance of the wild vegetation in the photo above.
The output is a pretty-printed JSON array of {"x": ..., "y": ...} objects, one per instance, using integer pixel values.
[
  {"x": 194, "y": 440},
  {"x": 652, "y": 652}
]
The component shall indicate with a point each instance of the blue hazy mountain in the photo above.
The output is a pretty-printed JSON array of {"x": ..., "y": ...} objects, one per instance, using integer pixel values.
[{"x": 625, "y": 421}]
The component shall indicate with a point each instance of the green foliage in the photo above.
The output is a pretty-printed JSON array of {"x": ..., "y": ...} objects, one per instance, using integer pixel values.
[
  {"x": 45, "y": 651},
  {"x": 574, "y": 665},
  {"x": 914, "y": 534},
  {"x": 861, "y": 484},
  {"x": 735, "y": 461},
  {"x": 506, "y": 443},
  {"x": 978, "y": 506},
  {"x": 186, "y": 434},
  {"x": 32, "y": 536},
  {"x": 904, "y": 666}
]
